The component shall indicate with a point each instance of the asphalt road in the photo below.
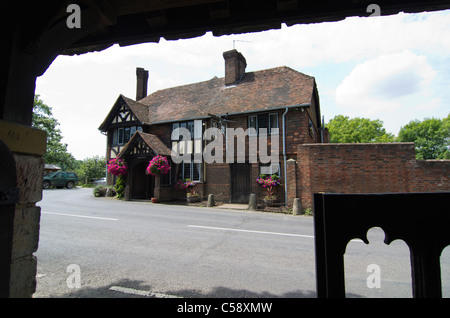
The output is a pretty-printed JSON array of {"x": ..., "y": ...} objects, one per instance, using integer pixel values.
[{"x": 103, "y": 247}]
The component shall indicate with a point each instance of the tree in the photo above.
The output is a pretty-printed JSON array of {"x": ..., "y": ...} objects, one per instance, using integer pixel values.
[
  {"x": 357, "y": 130},
  {"x": 92, "y": 168},
  {"x": 431, "y": 137},
  {"x": 56, "y": 152}
]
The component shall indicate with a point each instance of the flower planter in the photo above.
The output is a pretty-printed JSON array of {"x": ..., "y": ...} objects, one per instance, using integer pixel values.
[
  {"x": 192, "y": 199},
  {"x": 270, "y": 202},
  {"x": 154, "y": 200}
]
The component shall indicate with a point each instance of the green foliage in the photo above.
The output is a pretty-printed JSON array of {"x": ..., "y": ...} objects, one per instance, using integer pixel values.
[
  {"x": 431, "y": 137},
  {"x": 357, "y": 130},
  {"x": 120, "y": 186},
  {"x": 100, "y": 191},
  {"x": 91, "y": 168},
  {"x": 56, "y": 152}
]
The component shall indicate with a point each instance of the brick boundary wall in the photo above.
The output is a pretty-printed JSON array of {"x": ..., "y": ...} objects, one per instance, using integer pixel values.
[{"x": 364, "y": 168}]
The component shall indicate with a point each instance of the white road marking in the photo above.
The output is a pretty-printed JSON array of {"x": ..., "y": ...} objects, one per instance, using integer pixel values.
[
  {"x": 138, "y": 292},
  {"x": 259, "y": 232},
  {"x": 248, "y": 231},
  {"x": 81, "y": 216}
]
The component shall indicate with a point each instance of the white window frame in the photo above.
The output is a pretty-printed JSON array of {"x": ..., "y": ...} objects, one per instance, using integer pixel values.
[
  {"x": 250, "y": 131},
  {"x": 270, "y": 129},
  {"x": 190, "y": 173},
  {"x": 119, "y": 141}
]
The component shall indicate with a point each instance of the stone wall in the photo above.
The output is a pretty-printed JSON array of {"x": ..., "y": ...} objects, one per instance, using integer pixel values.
[{"x": 27, "y": 146}]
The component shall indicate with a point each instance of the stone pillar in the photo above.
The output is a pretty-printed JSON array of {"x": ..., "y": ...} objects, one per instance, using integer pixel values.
[
  {"x": 291, "y": 181},
  {"x": 157, "y": 189},
  {"x": 296, "y": 207},
  {"x": 9, "y": 195},
  {"x": 252, "y": 202},
  {"x": 28, "y": 146},
  {"x": 211, "y": 202}
]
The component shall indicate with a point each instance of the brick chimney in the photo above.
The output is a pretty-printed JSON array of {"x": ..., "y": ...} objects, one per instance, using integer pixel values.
[
  {"x": 234, "y": 66},
  {"x": 141, "y": 83}
]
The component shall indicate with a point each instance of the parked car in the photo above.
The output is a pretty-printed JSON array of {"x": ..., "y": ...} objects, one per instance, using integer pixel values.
[
  {"x": 60, "y": 179},
  {"x": 101, "y": 181}
]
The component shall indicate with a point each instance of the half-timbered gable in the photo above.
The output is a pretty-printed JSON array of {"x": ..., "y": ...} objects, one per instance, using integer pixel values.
[
  {"x": 143, "y": 144},
  {"x": 125, "y": 118}
]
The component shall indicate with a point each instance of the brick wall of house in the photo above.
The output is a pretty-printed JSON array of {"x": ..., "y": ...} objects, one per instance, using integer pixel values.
[
  {"x": 162, "y": 131},
  {"x": 297, "y": 131},
  {"x": 366, "y": 168}
]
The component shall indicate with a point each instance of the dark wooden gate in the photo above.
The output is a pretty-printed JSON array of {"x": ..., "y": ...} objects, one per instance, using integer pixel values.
[
  {"x": 421, "y": 220},
  {"x": 240, "y": 182}
]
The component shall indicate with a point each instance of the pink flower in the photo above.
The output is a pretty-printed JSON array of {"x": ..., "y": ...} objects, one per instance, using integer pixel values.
[
  {"x": 268, "y": 183},
  {"x": 158, "y": 165},
  {"x": 117, "y": 167}
]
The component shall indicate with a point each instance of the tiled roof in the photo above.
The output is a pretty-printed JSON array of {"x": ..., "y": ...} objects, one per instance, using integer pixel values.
[
  {"x": 257, "y": 91},
  {"x": 138, "y": 109},
  {"x": 267, "y": 89}
]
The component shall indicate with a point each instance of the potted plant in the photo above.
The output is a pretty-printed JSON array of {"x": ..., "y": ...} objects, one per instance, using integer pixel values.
[
  {"x": 191, "y": 189},
  {"x": 269, "y": 183},
  {"x": 192, "y": 195}
]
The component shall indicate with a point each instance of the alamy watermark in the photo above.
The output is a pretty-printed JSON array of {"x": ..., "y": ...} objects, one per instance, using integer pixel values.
[
  {"x": 375, "y": 9},
  {"x": 73, "y": 21},
  {"x": 185, "y": 149},
  {"x": 74, "y": 279},
  {"x": 374, "y": 279}
]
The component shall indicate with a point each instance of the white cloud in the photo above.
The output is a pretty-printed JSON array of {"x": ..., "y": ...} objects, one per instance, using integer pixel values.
[
  {"x": 380, "y": 84},
  {"x": 354, "y": 39}
]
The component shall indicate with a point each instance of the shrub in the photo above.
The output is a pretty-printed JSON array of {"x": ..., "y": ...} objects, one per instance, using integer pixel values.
[
  {"x": 120, "y": 186},
  {"x": 100, "y": 191}
]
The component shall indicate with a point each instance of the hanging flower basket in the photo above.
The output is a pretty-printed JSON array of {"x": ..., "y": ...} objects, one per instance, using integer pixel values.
[
  {"x": 159, "y": 165},
  {"x": 117, "y": 167}
]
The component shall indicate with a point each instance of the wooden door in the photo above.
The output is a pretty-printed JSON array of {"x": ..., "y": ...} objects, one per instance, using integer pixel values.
[
  {"x": 240, "y": 182},
  {"x": 141, "y": 183}
]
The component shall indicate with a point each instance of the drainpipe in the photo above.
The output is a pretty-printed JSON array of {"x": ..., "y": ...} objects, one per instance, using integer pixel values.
[{"x": 284, "y": 155}]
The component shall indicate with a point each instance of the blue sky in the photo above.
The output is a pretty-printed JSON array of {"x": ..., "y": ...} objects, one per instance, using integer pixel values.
[{"x": 392, "y": 68}]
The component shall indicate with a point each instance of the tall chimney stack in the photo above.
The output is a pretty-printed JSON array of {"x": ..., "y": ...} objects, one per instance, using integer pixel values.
[
  {"x": 141, "y": 84},
  {"x": 234, "y": 66}
]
